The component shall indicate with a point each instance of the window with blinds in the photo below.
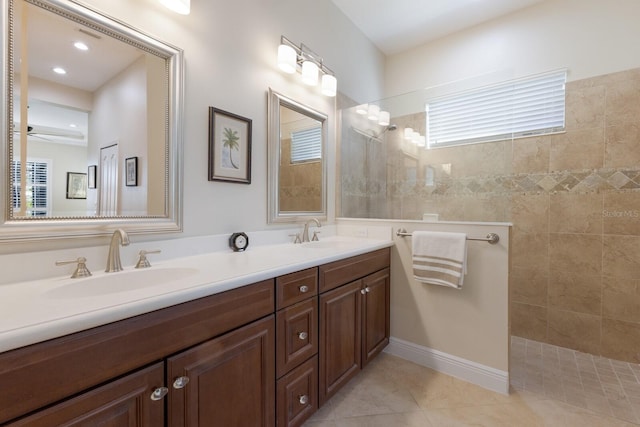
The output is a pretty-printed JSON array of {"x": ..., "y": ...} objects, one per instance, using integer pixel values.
[
  {"x": 515, "y": 109},
  {"x": 306, "y": 145},
  {"x": 37, "y": 191}
]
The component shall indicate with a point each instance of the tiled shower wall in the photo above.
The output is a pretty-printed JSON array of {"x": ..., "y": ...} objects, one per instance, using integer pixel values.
[{"x": 573, "y": 199}]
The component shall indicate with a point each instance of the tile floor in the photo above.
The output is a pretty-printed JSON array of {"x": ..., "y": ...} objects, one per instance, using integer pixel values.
[{"x": 551, "y": 386}]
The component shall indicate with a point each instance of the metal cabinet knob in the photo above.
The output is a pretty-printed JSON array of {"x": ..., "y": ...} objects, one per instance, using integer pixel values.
[
  {"x": 180, "y": 382},
  {"x": 304, "y": 399},
  {"x": 362, "y": 291},
  {"x": 303, "y": 335},
  {"x": 159, "y": 393},
  {"x": 367, "y": 289},
  {"x": 303, "y": 289}
]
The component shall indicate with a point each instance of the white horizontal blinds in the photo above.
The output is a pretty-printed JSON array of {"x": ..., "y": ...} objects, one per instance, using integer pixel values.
[
  {"x": 524, "y": 107},
  {"x": 37, "y": 191},
  {"x": 306, "y": 145}
]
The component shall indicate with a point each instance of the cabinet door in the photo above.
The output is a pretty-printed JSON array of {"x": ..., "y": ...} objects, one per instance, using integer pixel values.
[
  {"x": 340, "y": 338},
  {"x": 231, "y": 380},
  {"x": 375, "y": 315},
  {"x": 124, "y": 402}
]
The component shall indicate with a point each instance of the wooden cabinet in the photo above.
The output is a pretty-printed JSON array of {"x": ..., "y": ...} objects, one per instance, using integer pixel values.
[
  {"x": 227, "y": 381},
  {"x": 354, "y": 318},
  {"x": 124, "y": 402},
  {"x": 259, "y": 355}
]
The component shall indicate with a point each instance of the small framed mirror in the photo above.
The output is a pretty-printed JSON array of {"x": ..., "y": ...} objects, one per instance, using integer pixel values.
[
  {"x": 83, "y": 94},
  {"x": 297, "y": 151}
]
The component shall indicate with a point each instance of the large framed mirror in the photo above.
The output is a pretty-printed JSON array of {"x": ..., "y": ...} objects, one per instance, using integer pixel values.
[
  {"x": 92, "y": 118},
  {"x": 297, "y": 151}
]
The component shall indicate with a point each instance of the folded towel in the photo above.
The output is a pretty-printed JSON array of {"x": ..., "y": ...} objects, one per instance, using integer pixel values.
[{"x": 439, "y": 258}]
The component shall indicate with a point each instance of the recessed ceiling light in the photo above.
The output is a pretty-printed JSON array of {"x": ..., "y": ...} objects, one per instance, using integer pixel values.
[
  {"x": 81, "y": 46},
  {"x": 59, "y": 70}
]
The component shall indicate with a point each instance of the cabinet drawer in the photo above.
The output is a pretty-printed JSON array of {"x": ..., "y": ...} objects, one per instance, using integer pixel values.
[
  {"x": 347, "y": 270},
  {"x": 296, "y": 287},
  {"x": 297, "y": 394},
  {"x": 297, "y": 335}
]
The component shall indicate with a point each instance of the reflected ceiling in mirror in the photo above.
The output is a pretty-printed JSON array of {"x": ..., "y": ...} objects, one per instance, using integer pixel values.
[{"x": 119, "y": 97}]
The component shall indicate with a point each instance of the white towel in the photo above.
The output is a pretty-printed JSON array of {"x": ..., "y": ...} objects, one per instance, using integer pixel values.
[{"x": 439, "y": 258}]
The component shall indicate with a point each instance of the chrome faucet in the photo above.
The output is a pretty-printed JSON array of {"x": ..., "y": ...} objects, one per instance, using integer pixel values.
[
  {"x": 119, "y": 237},
  {"x": 305, "y": 232}
]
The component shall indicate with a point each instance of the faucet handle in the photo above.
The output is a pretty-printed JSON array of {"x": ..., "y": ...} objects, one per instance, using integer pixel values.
[
  {"x": 297, "y": 238},
  {"x": 81, "y": 269},
  {"x": 315, "y": 236},
  {"x": 143, "y": 262}
]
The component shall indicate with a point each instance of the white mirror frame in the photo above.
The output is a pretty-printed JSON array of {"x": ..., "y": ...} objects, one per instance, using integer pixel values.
[
  {"x": 273, "y": 158},
  {"x": 72, "y": 227}
]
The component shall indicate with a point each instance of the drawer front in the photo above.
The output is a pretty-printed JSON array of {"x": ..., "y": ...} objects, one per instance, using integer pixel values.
[
  {"x": 296, "y": 287},
  {"x": 347, "y": 270},
  {"x": 297, "y": 394},
  {"x": 297, "y": 335}
]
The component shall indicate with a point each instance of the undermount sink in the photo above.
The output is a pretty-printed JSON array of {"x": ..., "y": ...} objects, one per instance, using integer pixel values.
[{"x": 124, "y": 281}]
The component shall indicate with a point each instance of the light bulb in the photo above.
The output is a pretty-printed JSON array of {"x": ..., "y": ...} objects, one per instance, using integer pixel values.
[
  {"x": 383, "y": 118},
  {"x": 309, "y": 73},
  {"x": 329, "y": 85},
  {"x": 287, "y": 58},
  {"x": 373, "y": 112},
  {"x": 183, "y": 7}
]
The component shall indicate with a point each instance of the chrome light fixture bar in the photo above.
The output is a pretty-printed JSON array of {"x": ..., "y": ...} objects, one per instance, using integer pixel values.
[{"x": 292, "y": 58}]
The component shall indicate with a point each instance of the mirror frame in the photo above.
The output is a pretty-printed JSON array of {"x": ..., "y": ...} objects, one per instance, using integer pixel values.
[
  {"x": 25, "y": 229},
  {"x": 276, "y": 100}
]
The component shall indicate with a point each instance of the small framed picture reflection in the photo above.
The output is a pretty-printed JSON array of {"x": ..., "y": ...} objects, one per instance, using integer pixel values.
[{"x": 131, "y": 171}]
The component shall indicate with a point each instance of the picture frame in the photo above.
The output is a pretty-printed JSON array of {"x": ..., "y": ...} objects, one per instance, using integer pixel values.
[
  {"x": 91, "y": 176},
  {"x": 131, "y": 171},
  {"x": 76, "y": 185},
  {"x": 229, "y": 147}
]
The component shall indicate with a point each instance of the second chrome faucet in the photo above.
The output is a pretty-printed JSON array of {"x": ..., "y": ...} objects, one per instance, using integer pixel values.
[{"x": 119, "y": 237}]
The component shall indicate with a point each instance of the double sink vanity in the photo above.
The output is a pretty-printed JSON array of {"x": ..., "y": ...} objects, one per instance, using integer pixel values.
[{"x": 256, "y": 338}]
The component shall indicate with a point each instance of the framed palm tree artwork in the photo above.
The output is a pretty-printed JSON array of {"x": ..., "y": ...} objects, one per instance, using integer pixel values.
[{"x": 229, "y": 147}]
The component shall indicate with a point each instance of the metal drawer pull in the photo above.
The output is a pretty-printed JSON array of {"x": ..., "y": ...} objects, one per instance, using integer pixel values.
[
  {"x": 304, "y": 399},
  {"x": 303, "y": 335},
  {"x": 159, "y": 393},
  {"x": 304, "y": 288},
  {"x": 180, "y": 382}
]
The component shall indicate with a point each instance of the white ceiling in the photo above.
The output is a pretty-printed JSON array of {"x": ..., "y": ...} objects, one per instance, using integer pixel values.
[{"x": 398, "y": 25}]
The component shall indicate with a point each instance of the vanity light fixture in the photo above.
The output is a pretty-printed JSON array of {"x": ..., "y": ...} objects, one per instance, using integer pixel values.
[
  {"x": 362, "y": 109},
  {"x": 373, "y": 112},
  {"x": 183, "y": 7},
  {"x": 384, "y": 118},
  {"x": 292, "y": 58}
]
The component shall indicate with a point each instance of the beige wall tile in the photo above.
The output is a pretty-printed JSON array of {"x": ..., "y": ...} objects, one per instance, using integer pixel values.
[
  {"x": 622, "y": 104},
  {"x": 577, "y": 149},
  {"x": 585, "y": 107},
  {"x": 530, "y": 212},
  {"x": 621, "y": 256},
  {"x": 531, "y": 155},
  {"x": 529, "y": 321},
  {"x": 530, "y": 250},
  {"x": 575, "y": 292},
  {"x": 487, "y": 208},
  {"x": 484, "y": 159},
  {"x": 529, "y": 286},
  {"x": 621, "y": 213},
  {"x": 621, "y": 299},
  {"x": 622, "y": 145},
  {"x": 576, "y": 253},
  {"x": 575, "y": 213},
  {"x": 620, "y": 340},
  {"x": 574, "y": 330}
]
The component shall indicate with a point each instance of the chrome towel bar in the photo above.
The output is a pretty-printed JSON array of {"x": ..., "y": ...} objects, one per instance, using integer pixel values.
[{"x": 492, "y": 238}]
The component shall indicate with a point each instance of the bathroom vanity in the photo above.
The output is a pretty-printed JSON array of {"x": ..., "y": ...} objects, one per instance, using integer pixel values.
[{"x": 260, "y": 354}]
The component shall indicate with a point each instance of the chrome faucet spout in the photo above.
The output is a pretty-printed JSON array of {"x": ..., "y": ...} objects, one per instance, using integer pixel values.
[
  {"x": 119, "y": 237},
  {"x": 305, "y": 232}
]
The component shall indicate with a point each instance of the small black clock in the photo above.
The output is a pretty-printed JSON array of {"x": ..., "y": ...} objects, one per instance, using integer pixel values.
[{"x": 238, "y": 242}]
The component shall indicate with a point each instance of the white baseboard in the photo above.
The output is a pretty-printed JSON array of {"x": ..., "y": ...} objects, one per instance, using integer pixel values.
[{"x": 466, "y": 370}]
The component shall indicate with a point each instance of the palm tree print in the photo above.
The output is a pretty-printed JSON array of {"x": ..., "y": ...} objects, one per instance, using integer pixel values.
[{"x": 230, "y": 140}]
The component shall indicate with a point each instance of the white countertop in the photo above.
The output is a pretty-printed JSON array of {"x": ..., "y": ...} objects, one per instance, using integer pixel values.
[{"x": 39, "y": 310}]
